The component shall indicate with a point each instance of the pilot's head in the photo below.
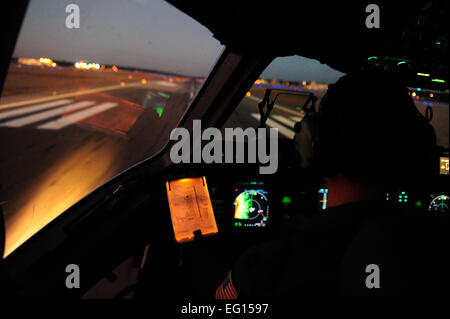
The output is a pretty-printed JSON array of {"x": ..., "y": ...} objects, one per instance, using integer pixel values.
[{"x": 369, "y": 130}]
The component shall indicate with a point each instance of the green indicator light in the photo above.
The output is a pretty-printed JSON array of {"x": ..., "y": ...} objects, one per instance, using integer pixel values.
[
  {"x": 401, "y": 62},
  {"x": 406, "y": 196},
  {"x": 419, "y": 89},
  {"x": 438, "y": 80},
  {"x": 403, "y": 193},
  {"x": 286, "y": 200},
  {"x": 438, "y": 43},
  {"x": 423, "y": 74},
  {"x": 159, "y": 111},
  {"x": 372, "y": 57},
  {"x": 419, "y": 203},
  {"x": 240, "y": 224},
  {"x": 406, "y": 200},
  {"x": 164, "y": 95},
  {"x": 399, "y": 200},
  {"x": 235, "y": 224}
]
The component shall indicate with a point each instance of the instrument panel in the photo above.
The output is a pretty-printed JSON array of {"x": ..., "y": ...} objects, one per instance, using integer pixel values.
[
  {"x": 251, "y": 205},
  {"x": 438, "y": 204}
]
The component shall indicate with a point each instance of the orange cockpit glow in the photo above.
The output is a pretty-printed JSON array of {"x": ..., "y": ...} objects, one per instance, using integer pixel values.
[{"x": 190, "y": 208}]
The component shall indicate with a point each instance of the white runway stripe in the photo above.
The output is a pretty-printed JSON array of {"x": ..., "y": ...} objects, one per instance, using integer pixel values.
[
  {"x": 283, "y": 130},
  {"x": 35, "y": 108},
  {"x": 285, "y": 109},
  {"x": 284, "y": 120},
  {"x": 75, "y": 117},
  {"x": 45, "y": 115},
  {"x": 296, "y": 118}
]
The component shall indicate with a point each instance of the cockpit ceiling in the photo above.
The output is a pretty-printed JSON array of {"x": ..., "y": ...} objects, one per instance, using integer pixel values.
[{"x": 413, "y": 35}]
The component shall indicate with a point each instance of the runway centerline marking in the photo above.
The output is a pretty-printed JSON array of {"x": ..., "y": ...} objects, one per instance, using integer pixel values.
[
  {"x": 76, "y": 117},
  {"x": 164, "y": 83},
  {"x": 71, "y": 94},
  {"x": 45, "y": 115}
]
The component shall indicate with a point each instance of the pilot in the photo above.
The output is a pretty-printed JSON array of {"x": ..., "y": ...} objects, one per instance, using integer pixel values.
[{"x": 367, "y": 139}]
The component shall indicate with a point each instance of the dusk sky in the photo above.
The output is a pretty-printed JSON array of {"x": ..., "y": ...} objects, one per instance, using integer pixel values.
[{"x": 148, "y": 34}]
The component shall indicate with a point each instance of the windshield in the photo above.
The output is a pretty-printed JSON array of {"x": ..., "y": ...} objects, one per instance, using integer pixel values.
[
  {"x": 292, "y": 79},
  {"x": 92, "y": 89}
]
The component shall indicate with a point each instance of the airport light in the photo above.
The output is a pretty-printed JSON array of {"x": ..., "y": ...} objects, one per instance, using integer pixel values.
[
  {"x": 86, "y": 66},
  {"x": 372, "y": 57},
  {"x": 47, "y": 61},
  {"x": 438, "y": 80},
  {"x": 423, "y": 74},
  {"x": 401, "y": 62}
]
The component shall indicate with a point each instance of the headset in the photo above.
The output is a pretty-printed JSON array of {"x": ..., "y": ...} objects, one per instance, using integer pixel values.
[{"x": 324, "y": 135}]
